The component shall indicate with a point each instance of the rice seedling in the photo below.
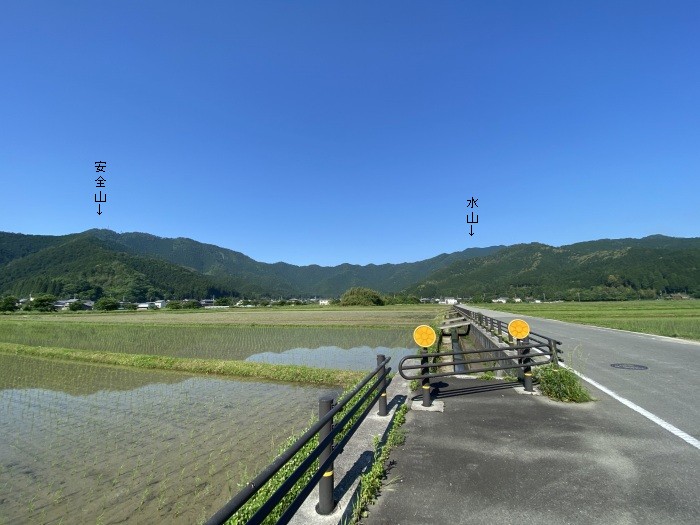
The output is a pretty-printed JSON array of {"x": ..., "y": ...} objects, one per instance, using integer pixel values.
[{"x": 140, "y": 468}]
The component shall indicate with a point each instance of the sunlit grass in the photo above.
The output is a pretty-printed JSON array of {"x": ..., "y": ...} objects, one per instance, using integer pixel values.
[
  {"x": 669, "y": 318},
  {"x": 384, "y": 316}
]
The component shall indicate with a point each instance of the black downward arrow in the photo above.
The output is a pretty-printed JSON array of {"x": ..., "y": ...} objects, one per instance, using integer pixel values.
[
  {"x": 99, "y": 212},
  {"x": 471, "y": 229}
]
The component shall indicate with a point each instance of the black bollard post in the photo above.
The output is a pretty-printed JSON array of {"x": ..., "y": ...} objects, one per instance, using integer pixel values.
[
  {"x": 425, "y": 370},
  {"x": 527, "y": 371},
  {"x": 382, "y": 386},
  {"x": 325, "y": 486},
  {"x": 519, "y": 370}
]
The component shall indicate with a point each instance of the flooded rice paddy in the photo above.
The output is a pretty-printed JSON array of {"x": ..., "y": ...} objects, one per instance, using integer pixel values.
[
  {"x": 207, "y": 341},
  {"x": 82, "y": 443},
  {"x": 358, "y": 358},
  {"x": 85, "y": 443}
]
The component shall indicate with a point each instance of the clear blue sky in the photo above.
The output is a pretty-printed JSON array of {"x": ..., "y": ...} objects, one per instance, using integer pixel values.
[{"x": 329, "y": 132}]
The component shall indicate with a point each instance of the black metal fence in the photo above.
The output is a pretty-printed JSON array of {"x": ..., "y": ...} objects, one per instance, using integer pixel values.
[
  {"x": 534, "y": 350},
  {"x": 354, "y": 407}
]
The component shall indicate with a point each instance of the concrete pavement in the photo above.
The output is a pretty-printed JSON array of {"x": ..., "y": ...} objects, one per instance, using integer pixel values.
[
  {"x": 497, "y": 456},
  {"x": 669, "y": 388}
]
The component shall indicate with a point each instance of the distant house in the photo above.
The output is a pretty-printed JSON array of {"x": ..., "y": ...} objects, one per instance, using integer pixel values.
[
  {"x": 502, "y": 300},
  {"x": 66, "y": 304},
  {"x": 324, "y": 302},
  {"x": 450, "y": 300},
  {"x": 146, "y": 306},
  {"x": 517, "y": 300},
  {"x": 160, "y": 304}
]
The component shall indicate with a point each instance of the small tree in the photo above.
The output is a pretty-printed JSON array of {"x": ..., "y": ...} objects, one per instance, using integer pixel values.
[
  {"x": 76, "y": 306},
  {"x": 361, "y": 297},
  {"x": 106, "y": 303},
  {"x": 8, "y": 304},
  {"x": 43, "y": 302},
  {"x": 191, "y": 304}
]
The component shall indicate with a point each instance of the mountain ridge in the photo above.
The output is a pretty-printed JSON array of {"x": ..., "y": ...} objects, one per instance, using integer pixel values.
[
  {"x": 229, "y": 271},
  {"x": 141, "y": 265}
]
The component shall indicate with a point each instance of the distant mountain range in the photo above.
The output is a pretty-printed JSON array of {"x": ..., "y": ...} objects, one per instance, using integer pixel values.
[
  {"x": 606, "y": 269},
  {"x": 139, "y": 266}
]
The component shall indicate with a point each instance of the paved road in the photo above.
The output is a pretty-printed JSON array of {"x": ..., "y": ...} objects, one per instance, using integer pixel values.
[
  {"x": 498, "y": 456},
  {"x": 669, "y": 389}
]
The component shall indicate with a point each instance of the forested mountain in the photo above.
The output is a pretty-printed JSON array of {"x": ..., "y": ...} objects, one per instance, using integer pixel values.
[
  {"x": 597, "y": 270},
  {"x": 283, "y": 278},
  {"x": 90, "y": 268},
  {"x": 139, "y": 266}
]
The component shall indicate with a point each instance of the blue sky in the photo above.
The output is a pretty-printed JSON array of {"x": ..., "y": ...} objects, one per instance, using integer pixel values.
[{"x": 330, "y": 132}]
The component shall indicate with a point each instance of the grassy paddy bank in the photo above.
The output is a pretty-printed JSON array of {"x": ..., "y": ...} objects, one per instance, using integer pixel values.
[
  {"x": 237, "y": 369},
  {"x": 669, "y": 318}
]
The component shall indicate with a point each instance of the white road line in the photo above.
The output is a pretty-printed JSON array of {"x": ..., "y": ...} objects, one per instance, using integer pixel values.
[{"x": 663, "y": 424}]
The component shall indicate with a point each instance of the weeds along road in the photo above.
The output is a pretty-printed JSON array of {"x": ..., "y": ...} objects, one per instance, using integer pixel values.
[{"x": 669, "y": 388}]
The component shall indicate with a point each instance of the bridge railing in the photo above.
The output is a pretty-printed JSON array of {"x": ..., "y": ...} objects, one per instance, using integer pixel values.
[
  {"x": 500, "y": 329},
  {"x": 520, "y": 354},
  {"x": 352, "y": 409}
]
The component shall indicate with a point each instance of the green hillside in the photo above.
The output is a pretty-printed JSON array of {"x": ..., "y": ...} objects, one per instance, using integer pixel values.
[
  {"x": 596, "y": 270},
  {"x": 282, "y": 278},
  {"x": 90, "y": 268},
  {"x": 140, "y": 266}
]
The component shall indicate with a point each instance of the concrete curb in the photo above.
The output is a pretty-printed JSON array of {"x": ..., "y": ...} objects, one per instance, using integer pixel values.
[{"x": 355, "y": 460}]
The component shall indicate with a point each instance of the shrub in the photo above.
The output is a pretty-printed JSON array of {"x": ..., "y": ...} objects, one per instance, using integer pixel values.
[
  {"x": 9, "y": 304},
  {"x": 361, "y": 297},
  {"x": 76, "y": 306},
  {"x": 106, "y": 303},
  {"x": 43, "y": 303},
  {"x": 561, "y": 384},
  {"x": 191, "y": 304}
]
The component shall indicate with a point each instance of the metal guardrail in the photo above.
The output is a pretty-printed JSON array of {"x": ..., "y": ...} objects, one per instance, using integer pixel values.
[
  {"x": 534, "y": 350},
  {"x": 500, "y": 328},
  {"x": 326, "y": 451}
]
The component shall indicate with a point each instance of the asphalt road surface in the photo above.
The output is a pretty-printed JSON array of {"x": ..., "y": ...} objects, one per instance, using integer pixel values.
[{"x": 669, "y": 388}]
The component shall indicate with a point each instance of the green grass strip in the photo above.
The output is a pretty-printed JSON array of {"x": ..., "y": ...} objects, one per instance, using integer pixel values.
[
  {"x": 243, "y": 369},
  {"x": 371, "y": 481}
]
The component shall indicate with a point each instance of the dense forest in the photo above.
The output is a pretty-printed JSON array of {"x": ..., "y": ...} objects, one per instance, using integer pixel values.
[
  {"x": 593, "y": 271},
  {"x": 139, "y": 266}
]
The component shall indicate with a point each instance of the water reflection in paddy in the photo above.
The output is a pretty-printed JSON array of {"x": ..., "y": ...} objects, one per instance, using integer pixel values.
[{"x": 109, "y": 445}]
